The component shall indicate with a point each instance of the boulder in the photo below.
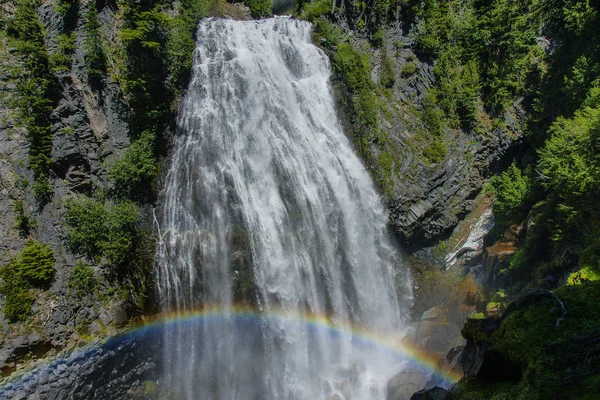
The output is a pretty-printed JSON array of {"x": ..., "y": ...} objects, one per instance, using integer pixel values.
[{"x": 436, "y": 393}]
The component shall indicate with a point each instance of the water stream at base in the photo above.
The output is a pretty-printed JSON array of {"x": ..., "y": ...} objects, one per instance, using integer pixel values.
[{"x": 265, "y": 203}]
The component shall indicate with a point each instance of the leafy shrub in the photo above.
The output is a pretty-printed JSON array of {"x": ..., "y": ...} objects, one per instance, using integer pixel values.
[
  {"x": 36, "y": 263},
  {"x": 64, "y": 7},
  {"x": 82, "y": 280},
  {"x": 34, "y": 266},
  {"x": 388, "y": 71},
  {"x": 17, "y": 298},
  {"x": 314, "y": 10},
  {"x": 259, "y": 8},
  {"x": 86, "y": 219},
  {"x": 95, "y": 229},
  {"x": 432, "y": 116},
  {"x": 332, "y": 34},
  {"x": 134, "y": 173},
  {"x": 42, "y": 191},
  {"x": 435, "y": 152},
  {"x": 122, "y": 224},
  {"x": 512, "y": 189},
  {"x": 378, "y": 38},
  {"x": 408, "y": 69}
]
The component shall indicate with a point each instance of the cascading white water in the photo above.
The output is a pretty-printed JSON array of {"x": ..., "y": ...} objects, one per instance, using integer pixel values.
[{"x": 265, "y": 203}]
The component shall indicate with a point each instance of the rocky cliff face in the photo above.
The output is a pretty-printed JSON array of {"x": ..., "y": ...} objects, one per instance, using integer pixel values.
[
  {"x": 427, "y": 194},
  {"x": 89, "y": 128}
]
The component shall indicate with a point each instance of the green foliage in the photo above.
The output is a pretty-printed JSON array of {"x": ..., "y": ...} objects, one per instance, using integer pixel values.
[
  {"x": 408, "y": 69},
  {"x": 378, "y": 37},
  {"x": 435, "y": 152},
  {"x": 512, "y": 190},
  {"x": 42, "y": 191},
  {"x": 259, "y": 8},
  {"x": 354, "y": 68},
  {"x": 65, "y": 7},
  {"x": 82, "y": 280},
  {"x": 36, "y": 263},
  {"x": 585, "y": 274},
  {"x": 145, "y": 37},
  {"x": 34, "y": 266},
  {"x": 314, "y": 10},
  {"x": 432, "y": 116},
  {"x": 95, "y": 56},
  {"x": 469, "y": 38},
  {"x": 35, "y": 93},
  {"x": 134, "y": 173},
  {"x": 60, "y": 60},
  {"x": 17, "y": 298},
  {"x": 387, "y": 75},
  {"x": 551, "y": 350},
  {"x": 564, "y": 131},
  {"x": 326, "y": 33},
  {"x": 570, "y": 162},
  {"x": 181, "y": 44},
  {"x": 103, "y": 229}
]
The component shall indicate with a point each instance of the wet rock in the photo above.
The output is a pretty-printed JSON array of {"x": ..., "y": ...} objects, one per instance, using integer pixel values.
[
  {"x": 433, "y": 313},
  {"x": 118, "y": 314},
  {"x": 436, "y": 393},
  {"x": 448, "y": 365},
  {"x": 96, "y": 328},
  {"x": 105, "y": 318},
  {"x": 480, "y": 360},
  {"x": 402, "y": 385}
]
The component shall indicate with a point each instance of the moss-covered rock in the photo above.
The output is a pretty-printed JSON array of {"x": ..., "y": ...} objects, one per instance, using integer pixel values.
[{"x": 545, "y": 346}]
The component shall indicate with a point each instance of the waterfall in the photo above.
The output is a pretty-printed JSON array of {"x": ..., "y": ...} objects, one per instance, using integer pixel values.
[{"x": 266, "y": 204}]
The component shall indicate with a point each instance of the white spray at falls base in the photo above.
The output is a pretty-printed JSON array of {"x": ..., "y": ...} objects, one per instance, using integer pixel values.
[{"x": 266, "y": 203}]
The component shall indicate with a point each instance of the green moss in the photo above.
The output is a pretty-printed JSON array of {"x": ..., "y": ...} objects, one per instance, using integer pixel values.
[{"x": 559, "y": 356}]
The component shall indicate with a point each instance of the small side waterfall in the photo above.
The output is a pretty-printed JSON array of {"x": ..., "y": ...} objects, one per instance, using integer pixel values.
[{"x": 266, "y": 204}]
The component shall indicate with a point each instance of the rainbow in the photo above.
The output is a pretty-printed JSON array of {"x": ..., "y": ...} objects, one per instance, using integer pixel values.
[
  {"x": 416, "y": 356},
  {"x": 401, "y": 347}
]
